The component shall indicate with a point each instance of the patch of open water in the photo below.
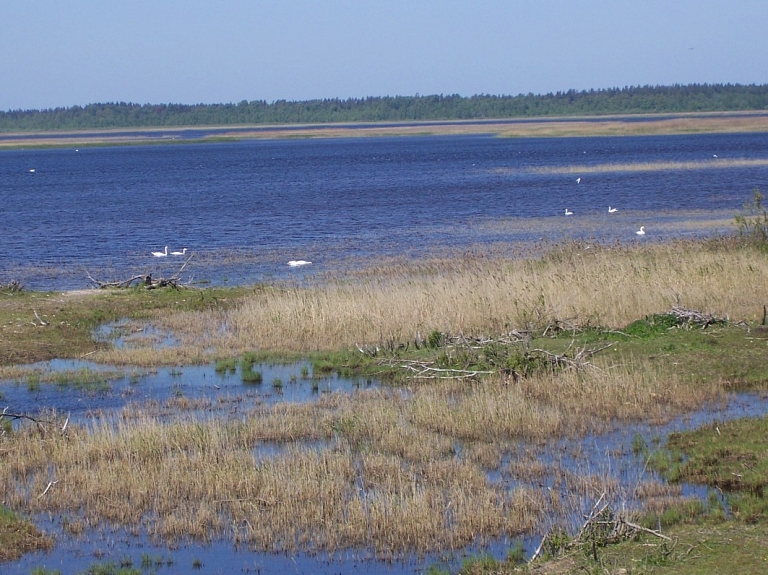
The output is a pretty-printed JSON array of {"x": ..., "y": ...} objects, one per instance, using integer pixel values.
[{"x": 607, "y": 455}]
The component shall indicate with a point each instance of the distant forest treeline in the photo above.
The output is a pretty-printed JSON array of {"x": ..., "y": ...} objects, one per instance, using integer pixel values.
[{"x": 628, "y": 100}]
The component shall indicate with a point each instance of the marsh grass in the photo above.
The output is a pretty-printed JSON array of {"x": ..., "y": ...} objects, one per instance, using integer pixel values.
[
  {"x": 724, "y": 533},
  {"x": 398, "y": 306},
  {"x": 39, "y": 326},
  {"x": 406, "y": 469},
  {"x": 376, "y": 488},
  {"x": 712, "y": 164},
  {"x": 378, "y": 469}
]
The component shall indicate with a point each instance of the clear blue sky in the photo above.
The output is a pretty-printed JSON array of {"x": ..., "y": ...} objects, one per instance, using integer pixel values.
[{"x": 61, "y": 53}]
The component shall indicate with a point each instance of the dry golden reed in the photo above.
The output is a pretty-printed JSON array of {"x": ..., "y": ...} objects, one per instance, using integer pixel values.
[
  {"x": 355, "y": 483},
  {"x": 609, "y": 286},
  {"x": 713, "y": 164},
  {"x": 392, "y": 471}
]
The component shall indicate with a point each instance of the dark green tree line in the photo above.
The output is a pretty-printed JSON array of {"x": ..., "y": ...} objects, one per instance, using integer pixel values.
[{"x": 627, "y": 100}]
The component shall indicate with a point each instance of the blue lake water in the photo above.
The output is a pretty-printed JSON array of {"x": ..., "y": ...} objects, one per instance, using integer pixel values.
[{"x": 246, "y": 208}]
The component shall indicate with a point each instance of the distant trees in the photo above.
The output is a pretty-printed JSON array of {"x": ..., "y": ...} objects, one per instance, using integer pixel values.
[{"x": 627, "y": 100}]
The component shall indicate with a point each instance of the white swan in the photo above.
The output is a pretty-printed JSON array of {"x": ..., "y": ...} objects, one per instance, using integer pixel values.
[
  {"x": 161, "y": 254},
  {"x": 611, "y": 210},
  {"x": 296, "y": 263},
  {"x": 568, "y": 213},
  {"x": 181, "y": 253},
  {"x": 641, "y": 231},
  {"x": 578, "y": 180}
]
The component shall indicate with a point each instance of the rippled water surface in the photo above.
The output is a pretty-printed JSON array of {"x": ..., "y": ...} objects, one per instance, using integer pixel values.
[{"x": 245, "y": 209}]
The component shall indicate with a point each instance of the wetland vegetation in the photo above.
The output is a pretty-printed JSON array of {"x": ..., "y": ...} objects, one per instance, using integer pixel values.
[{"x": 489, "y": 359}]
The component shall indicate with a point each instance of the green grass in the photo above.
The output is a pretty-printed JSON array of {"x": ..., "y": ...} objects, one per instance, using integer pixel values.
[
  {"x": 725, "y": 534},
  {"x": 19, "y": 536},
  {"x": 39, "y": 326},
  {"x": 720, "y": 352},
  {"x": 729, "y": 455}
]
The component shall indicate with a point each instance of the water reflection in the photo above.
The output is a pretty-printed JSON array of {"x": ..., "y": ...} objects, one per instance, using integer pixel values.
[{"x": 205, "y": 388}]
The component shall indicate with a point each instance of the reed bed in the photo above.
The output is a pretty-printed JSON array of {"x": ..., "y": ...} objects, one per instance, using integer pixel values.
[
  {"x": 188, "y": 479},
  {"x": 712, "y": 164},
  {"x": 597, "y": 285},
  {"x": 390, "y": 471}
]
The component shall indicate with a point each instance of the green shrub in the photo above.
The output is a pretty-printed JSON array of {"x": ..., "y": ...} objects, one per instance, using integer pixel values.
[{"x": 754, "y": 225}]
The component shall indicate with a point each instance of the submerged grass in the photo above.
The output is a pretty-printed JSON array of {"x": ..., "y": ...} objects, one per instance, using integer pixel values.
[{"x": 19, "y": 536}]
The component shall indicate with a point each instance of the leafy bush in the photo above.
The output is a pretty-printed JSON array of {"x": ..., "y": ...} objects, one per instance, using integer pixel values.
[{"x": 754, "y": 226}]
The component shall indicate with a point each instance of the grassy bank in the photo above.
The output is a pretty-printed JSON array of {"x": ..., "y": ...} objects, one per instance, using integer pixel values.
[
  {"x": 39, "y": 326},
  {"x": 400, "y": 305}
]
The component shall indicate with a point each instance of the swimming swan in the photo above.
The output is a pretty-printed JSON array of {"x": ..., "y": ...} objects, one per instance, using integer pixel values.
[
  {"x": 567, "y": 213},
  {"x": 181, "y": 253},
  {"x": 161, "y": 254},
  {"x": 641, "y": 231},
  {"x": 296, "y": 263},
  {"x": 611, "y": 210}
]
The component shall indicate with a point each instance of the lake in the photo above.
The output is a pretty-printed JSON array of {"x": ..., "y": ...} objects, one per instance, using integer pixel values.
[{"x": 244, "y": 209}]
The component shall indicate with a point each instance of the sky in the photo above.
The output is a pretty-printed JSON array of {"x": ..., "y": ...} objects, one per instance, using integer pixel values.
[{"x": 60, "y": 54}]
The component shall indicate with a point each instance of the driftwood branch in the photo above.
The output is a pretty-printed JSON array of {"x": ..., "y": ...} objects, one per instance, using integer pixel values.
[
  {"x": 50, "y": 484},
  {"x": 602, "y": 527},
  {"x": 578, "y": 360},
  {"x": 145, "y": 280},
  {"x": 5, "y": 414},
  {"x": 43, "y": 323},
  {"x": 691, "y": 317},
  {"x": 424, "y": 371}
]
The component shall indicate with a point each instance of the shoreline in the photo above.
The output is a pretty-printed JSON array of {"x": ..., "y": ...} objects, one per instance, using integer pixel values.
[{"x": 542, "y": 127}]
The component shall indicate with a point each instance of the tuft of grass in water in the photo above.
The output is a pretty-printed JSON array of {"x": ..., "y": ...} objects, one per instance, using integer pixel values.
[
  {"x": 247, "y": 373},
  {"x": 226, "y": 365},
  {"x": 19, "y": 536},
  {"x": 251, "y": 376},
  {"x": 123, "y": 567}
]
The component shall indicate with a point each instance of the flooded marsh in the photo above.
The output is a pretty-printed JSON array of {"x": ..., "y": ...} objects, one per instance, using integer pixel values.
[{"x": 438, "y": 409}]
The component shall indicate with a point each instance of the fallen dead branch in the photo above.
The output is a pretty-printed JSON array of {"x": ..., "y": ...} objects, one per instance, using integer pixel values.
[
  {"x": 50, "y": 484},
  {"x": 689, "y": 317},
  {"x": 424, "y": 371},
  {"x": 578, "y": 361},
  {"x": 5, "y": 414},
  {"x": 145, "y": 280},
  {"x": 602, "y": 527}
]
